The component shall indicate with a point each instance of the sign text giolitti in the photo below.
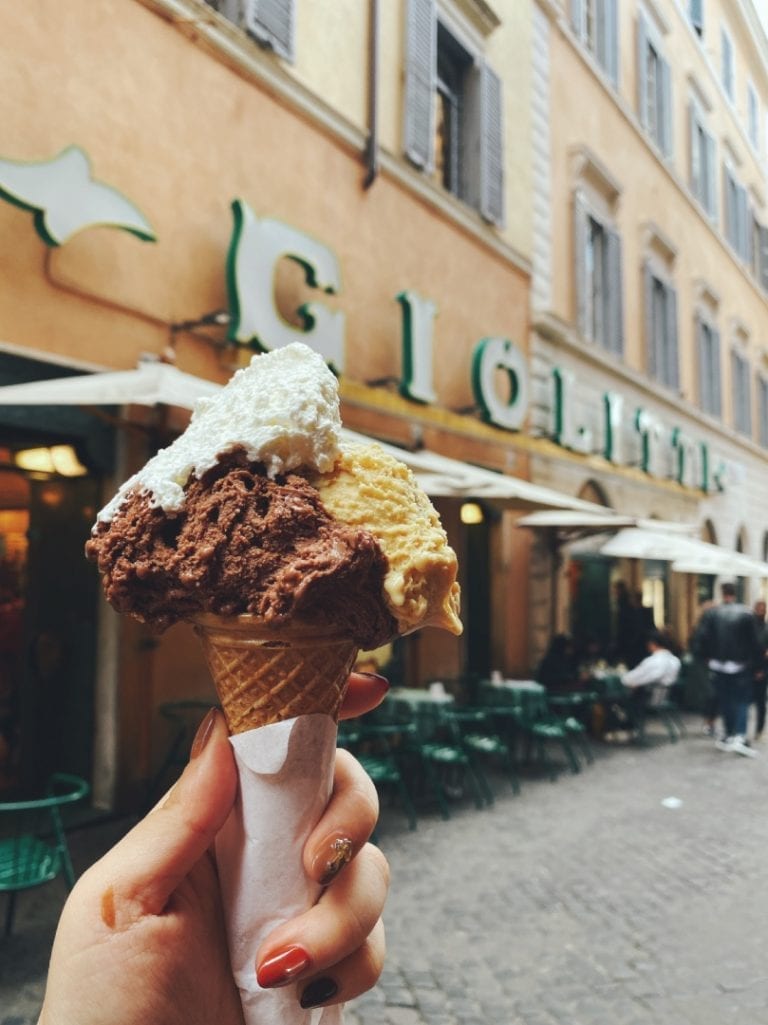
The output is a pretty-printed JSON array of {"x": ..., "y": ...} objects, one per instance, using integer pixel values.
[{"x": 258, "y": 245}]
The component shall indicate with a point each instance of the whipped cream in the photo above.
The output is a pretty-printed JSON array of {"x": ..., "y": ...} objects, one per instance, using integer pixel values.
[{"x": 283, "y": 409}]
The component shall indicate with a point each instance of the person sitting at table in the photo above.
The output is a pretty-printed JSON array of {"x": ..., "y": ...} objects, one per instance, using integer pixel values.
[
  {"x": 558, "y": 670},
  {"x": 650, "y": 679}
]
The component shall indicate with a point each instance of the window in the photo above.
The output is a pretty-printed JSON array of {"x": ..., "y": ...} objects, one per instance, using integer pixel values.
[
  {"x": 696, "y": 15},
  {"x": 453, "y": 113},
  {"x": 598, "y": 277},
  {"x": 727, "y": 73},
  {"x": 654, "y": 86},
  {"x": 710, "y": 370},
  {"x": 703, "y": 167},
  {"x": 740, "y": 393},
  {"x": 762, "y": 411},
  {"x": 736, "y": 207},
  {"x": 269, "y": 22},
  {"x": 596, "y": 23},
  {"x": 753, "y": 117},
  {"x": 661, "y": 329}
]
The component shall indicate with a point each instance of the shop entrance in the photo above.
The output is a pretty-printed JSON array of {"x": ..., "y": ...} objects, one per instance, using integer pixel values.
[
  {"x": 591, "y": 601},
  {"x": 47, "y": 627}
]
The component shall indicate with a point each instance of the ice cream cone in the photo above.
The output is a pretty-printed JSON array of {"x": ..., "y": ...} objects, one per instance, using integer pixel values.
[{"x": 265, "y": 674}]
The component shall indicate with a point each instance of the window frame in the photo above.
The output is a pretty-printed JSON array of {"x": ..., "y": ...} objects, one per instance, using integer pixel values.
[
  {"x": 662, "y": 353},
  {"x": 599, "y": 294},
  {"x": 727, "y": 74},
  {"x": 654, "y": 98},
  {"x": 709, "y": 364},
  {"x": 762, "y": 409},
  {"x": 702, "y": 151},
  {"x": 741, "y": 391}
]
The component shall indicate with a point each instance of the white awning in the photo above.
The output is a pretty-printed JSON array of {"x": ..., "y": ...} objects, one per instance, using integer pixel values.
[
  {"x": 152, "y": 383},
  {"x": 686, "y": 554},
  {"x": 149, "y": 384},
  {"x": 571, "y": 520}
]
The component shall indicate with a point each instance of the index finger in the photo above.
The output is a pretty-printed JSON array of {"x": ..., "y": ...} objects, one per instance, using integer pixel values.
[{"x": 364, "y": 692}]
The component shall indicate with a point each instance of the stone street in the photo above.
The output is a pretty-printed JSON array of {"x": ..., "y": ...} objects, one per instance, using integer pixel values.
[{"x": 586, "y": 901}]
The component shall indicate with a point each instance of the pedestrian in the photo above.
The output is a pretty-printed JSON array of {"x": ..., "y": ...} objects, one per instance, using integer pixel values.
[
  {"x": 649, "y": 679},
  {"x": 727, "y": 637},
  {"x": 760, "y": 683}
]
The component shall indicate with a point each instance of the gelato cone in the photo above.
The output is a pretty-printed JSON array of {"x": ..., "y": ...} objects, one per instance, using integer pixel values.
[{"x": 265, "y": 675}]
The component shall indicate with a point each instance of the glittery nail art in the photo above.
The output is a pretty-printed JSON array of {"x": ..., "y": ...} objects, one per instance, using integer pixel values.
[{"x": 340, "y": 851}]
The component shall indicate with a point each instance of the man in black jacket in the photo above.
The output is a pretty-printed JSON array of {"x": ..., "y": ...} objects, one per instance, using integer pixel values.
[{"x": 727, "y": 637}]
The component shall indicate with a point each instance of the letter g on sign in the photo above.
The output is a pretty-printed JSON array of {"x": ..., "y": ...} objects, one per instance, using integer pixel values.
[{"x": 490, "y": 356}]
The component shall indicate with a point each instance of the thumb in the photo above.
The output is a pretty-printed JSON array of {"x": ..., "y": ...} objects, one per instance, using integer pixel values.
[{"x": 151, "y": 861}]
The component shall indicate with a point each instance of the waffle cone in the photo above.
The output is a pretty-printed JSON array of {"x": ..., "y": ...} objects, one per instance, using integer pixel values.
[{"x": 264, "y": 674}]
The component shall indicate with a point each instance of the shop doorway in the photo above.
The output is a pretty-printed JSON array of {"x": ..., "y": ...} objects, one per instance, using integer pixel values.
[
  {"x": 48, "y": 595},
  {"x": 590, "y": 576}
]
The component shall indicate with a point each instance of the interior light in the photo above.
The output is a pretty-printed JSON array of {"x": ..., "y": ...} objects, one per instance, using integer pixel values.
[
  {"x": 471, "y": 512},
  {"x": 58, "y": 459}
]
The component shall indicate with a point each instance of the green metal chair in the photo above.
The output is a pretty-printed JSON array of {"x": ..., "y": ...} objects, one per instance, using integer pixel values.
[
  {"x": 480, "y": 739},
  {"x": 183, "y": 718},
  {"x": 446, "y": 763},
  {"x": 33, "y": 843}
]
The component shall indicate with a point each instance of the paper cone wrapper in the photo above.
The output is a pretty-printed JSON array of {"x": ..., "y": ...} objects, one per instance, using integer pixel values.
[{"x": 280, "y": 693}]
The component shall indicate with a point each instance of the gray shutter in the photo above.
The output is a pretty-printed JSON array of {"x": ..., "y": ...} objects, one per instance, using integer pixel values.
[
  {"x": 671, "y": 356},
  {"x": 576, "y": 16},
  {"x": 696, "y": 11},
  {"x": 491, "y": 147},
  {"x": 420, "y": 84},
  {"x": 695, "y": 173},
  {"x": 614, "y": 338},
  {"x": 764, "y": 258},
  {"x": 651, "y": 360},
  {"x": 717, "y": 374},
  {"x": 743, "y": 222},
  {"x": 271, "y": 22},
  {"x": 642, "y": 69},
  {"x": 608, "y": 41},
  {"x": 666, "y": 136},
  {"x": 579, "y": 260},
  {"x": 703, "y": 363},
  {"x": 711, "y": 177}
]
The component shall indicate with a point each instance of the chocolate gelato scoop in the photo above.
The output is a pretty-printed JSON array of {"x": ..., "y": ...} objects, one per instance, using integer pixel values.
[{"x": 244, "y": 543}]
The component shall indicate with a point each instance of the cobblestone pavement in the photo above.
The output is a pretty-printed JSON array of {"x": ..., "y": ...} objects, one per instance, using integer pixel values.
[{"x": 581, "y": 902}]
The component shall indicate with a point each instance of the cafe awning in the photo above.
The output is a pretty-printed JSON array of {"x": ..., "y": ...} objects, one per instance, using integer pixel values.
[
  {"x": 153, "y": 383},
  {"x": 150, "y": 384},
  {"x": 685, "y": 554}
]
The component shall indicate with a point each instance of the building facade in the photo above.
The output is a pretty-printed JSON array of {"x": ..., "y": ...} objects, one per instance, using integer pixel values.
[
  {"x": 650, "y": 277},
  {"x": 347, "y": 173}
]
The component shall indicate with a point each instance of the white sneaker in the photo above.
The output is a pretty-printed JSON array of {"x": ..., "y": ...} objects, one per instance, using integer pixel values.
[
  {"x": 741, "y": 747},
  {"x": 726, "y": 744}
]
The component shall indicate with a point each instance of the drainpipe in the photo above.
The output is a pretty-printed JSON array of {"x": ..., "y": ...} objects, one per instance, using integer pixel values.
[{"x": 372, "y": 145}]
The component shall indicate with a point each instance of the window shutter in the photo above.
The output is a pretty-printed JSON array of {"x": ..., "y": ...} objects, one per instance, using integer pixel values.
[
  {"x": 420, "y": 85},
  {"x": 697, "y": 15},
  {"x": 717, "y": 374},
  {"x": 671, "y": 357},
  {"x": 666, "y": 140},
  {"x": 764, "y": 258},
  {"x": 614, "y": 338},
  {"x": 491, "y": 147},
  {"x": 576, "y": 16},
  {"x": 271, "y": 22},
  {"x": 703, "y": 360},
  {"x": 642, "y": 69},
  {"x": 580, "y": 260},
  {"x": 608, "y": 38},
  {"x": 743, "y": 223},
  {"x": 711, "y": 177},
  {"x": 651, "y": 361},
  {"x": 695, "y": 166}
]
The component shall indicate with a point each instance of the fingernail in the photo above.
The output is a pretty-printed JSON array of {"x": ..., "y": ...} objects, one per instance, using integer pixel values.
[
  {"x": 317, "y": 992},
  {"x": 203, "y": 735},
  {"x": 381, "y": 680},
  {"x": 282, "y": 968},
  {"x": 331, "y": 859}
]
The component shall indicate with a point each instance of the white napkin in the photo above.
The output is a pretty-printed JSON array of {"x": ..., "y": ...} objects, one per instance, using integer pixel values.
[{"x": 286, "y": 775}]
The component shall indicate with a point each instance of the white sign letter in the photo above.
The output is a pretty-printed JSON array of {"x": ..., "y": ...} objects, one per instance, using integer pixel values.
[
  {"x": 492, "y": 354},
  {"x": 418, "y": 322}
]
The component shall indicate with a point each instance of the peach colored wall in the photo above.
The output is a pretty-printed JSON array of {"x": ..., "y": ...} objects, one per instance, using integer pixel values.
[{"x": 181, "y": 135}]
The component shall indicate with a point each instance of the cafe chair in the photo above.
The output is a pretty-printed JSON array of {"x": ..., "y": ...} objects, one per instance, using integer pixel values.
[
  {"x": 482, "y": 741},
  {"x": 658, "y": 703},
  {"x": 446, "y": 764},
  {"x": 33, "y": 842},
  {"x": 378, "y": 745},
  {"x": 541, "y": 727}
]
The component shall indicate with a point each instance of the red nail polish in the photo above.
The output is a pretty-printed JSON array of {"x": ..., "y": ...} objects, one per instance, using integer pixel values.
[{"x": 282, "y": 968}]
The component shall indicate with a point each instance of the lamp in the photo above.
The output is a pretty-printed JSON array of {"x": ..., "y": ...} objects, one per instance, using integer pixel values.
[
  {"x": 58, "y": 459},
  {"x": 471, "y": 513}
]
